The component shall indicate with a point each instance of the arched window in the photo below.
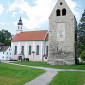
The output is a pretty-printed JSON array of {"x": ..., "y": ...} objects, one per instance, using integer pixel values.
[
  {"x": 37, "y": 50},
  {"x": 29, "y": 50},
  {"x": 46, "y": 50},
  {"x": 15, "y": 50},
  {"x": 58, "y": 12},
  {"x": 22, "y": 50},
  {"x": 63, "y": 12}
]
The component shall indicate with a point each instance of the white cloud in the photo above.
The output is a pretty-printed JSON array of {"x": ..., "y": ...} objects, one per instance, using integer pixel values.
[
  {"x": 73, "y": 6},
  {"x": 14, "y": 13},
  {"x": 2, "y": 23},
  {"x": 21, "y": 12},
  {"x": 1, "y": 9},
  {"x": 15, "y": 23},
  {"x": 39, "y": 13}
]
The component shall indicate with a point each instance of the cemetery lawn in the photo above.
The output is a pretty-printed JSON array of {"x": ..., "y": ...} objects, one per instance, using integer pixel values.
[
  {"x": 17, "y": 75},
  {"x": 44, "y": 64},
  {"x": 69, "y": 78}
]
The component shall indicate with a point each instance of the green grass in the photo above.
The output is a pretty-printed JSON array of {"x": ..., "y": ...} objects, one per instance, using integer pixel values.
[
  {"x": 17, "y": 75},
  {"x": 44, "y": 64},
  {"x": 64, "y": 77},
  {"x": 68, "y": 78}
]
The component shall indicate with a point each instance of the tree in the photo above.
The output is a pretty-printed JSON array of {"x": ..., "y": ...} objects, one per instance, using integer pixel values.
[
  {"x": 81, "y": 35},
  {"x": 83, "y": 55},
  {"x": 4, "y": 37}
]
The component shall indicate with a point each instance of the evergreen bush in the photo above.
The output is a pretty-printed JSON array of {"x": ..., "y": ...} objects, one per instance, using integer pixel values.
[{"x": 26, "y": 59}]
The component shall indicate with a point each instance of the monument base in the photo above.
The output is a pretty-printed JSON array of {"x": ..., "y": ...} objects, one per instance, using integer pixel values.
[{"x": 61, "y": 61}]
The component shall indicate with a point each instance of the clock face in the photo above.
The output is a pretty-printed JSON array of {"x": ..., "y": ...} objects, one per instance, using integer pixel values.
[{"x": 60, "y": 31}]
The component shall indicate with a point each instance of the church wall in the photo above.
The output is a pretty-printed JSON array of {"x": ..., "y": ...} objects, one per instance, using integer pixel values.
[
  {"x": 46, "y": 44},
  {"x": 13, "y": 44},
  {"x": 26, "y": 45},
  {"x": 34, "y": 44}
]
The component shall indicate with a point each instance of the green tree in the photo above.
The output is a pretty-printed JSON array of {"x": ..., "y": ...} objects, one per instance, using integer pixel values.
[
  {"x": 81, "y": 35},
  {"x": 83, "y": 55},
  {"x": 4, "y": 37}
]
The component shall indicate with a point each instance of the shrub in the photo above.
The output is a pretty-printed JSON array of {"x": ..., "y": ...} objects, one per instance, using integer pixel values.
[
  {"x": 81, "y": 63},
  {"x": 26, "y": 59},
  {"x": 83, "y": 55}
]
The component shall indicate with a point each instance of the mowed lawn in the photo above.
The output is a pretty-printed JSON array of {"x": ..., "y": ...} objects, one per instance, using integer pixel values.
[
  {"x": 44, "y": 64},
  {"x": 69, "y": 78},
  {"x": 63, "y": 77},
  {"x": 17, "y": 75}
]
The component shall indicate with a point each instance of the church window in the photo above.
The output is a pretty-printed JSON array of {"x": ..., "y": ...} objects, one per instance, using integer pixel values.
[
  {"x": 15, "y": 51},
  {"x": 22, "y": 51},
  {"x": 61, "y": 3},
  {"x": 58, "y": 12},
  {"x": 37, "y": 50},
  {"x": 64, "y": 12},
  {"x": 29, "y": 50},
  {"x": 46, "y": 50}
]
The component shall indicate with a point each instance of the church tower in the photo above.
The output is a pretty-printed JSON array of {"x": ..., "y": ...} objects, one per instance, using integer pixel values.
[
  {"x": 19, "y": 30},
  {"x": 62, "y": 24}
]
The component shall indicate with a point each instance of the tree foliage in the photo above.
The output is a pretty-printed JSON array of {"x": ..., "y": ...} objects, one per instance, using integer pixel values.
[
  {"x": 4, "y": 37},
  {"x": 83, "y": 55},
  {"x": 80, "y": 43}
]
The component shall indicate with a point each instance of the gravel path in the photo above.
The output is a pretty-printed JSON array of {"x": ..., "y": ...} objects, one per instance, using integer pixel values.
[{"x": 45, "y": 78}]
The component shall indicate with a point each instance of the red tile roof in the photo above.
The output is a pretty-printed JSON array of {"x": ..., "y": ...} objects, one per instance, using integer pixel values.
[
  {"x": 30, "y": 36},
  {"x": 46, "y": 39}
]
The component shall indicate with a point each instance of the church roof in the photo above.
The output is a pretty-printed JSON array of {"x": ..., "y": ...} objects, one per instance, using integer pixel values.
[
  {"x": 30, "y": 36},
  {"x": 46, "y": 39}
]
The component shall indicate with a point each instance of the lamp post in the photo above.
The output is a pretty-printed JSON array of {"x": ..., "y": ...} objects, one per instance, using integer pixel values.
[{"x": 33, "y": 54}]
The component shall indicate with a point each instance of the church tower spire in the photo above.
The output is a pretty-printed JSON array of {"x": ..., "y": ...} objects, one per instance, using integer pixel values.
[{"x": 20, "y": 24}]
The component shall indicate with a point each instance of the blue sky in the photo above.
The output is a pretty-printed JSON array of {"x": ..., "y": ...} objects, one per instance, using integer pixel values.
[{"x": 34, "y": 13}]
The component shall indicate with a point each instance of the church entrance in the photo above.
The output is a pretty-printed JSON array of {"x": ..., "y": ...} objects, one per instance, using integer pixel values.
[{"x": 20, "y": 58}]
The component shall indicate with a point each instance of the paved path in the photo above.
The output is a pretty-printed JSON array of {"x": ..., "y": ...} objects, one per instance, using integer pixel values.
[{"x": 45, "y": 78}]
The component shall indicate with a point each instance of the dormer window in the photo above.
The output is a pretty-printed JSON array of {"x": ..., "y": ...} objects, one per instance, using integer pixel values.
[
  {"x": 63, "y": 12},
  {"x": 58, "y": 12}
]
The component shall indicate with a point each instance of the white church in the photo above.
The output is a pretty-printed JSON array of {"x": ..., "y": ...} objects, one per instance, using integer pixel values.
[{"x": 31, "y": 44}]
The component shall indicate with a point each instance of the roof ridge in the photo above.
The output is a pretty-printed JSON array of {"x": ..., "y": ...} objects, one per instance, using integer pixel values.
[{"x": 34, "y": 31}]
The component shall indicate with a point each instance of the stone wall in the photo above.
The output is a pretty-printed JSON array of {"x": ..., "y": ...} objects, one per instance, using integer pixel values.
[{"x": 62, "y": 50}]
